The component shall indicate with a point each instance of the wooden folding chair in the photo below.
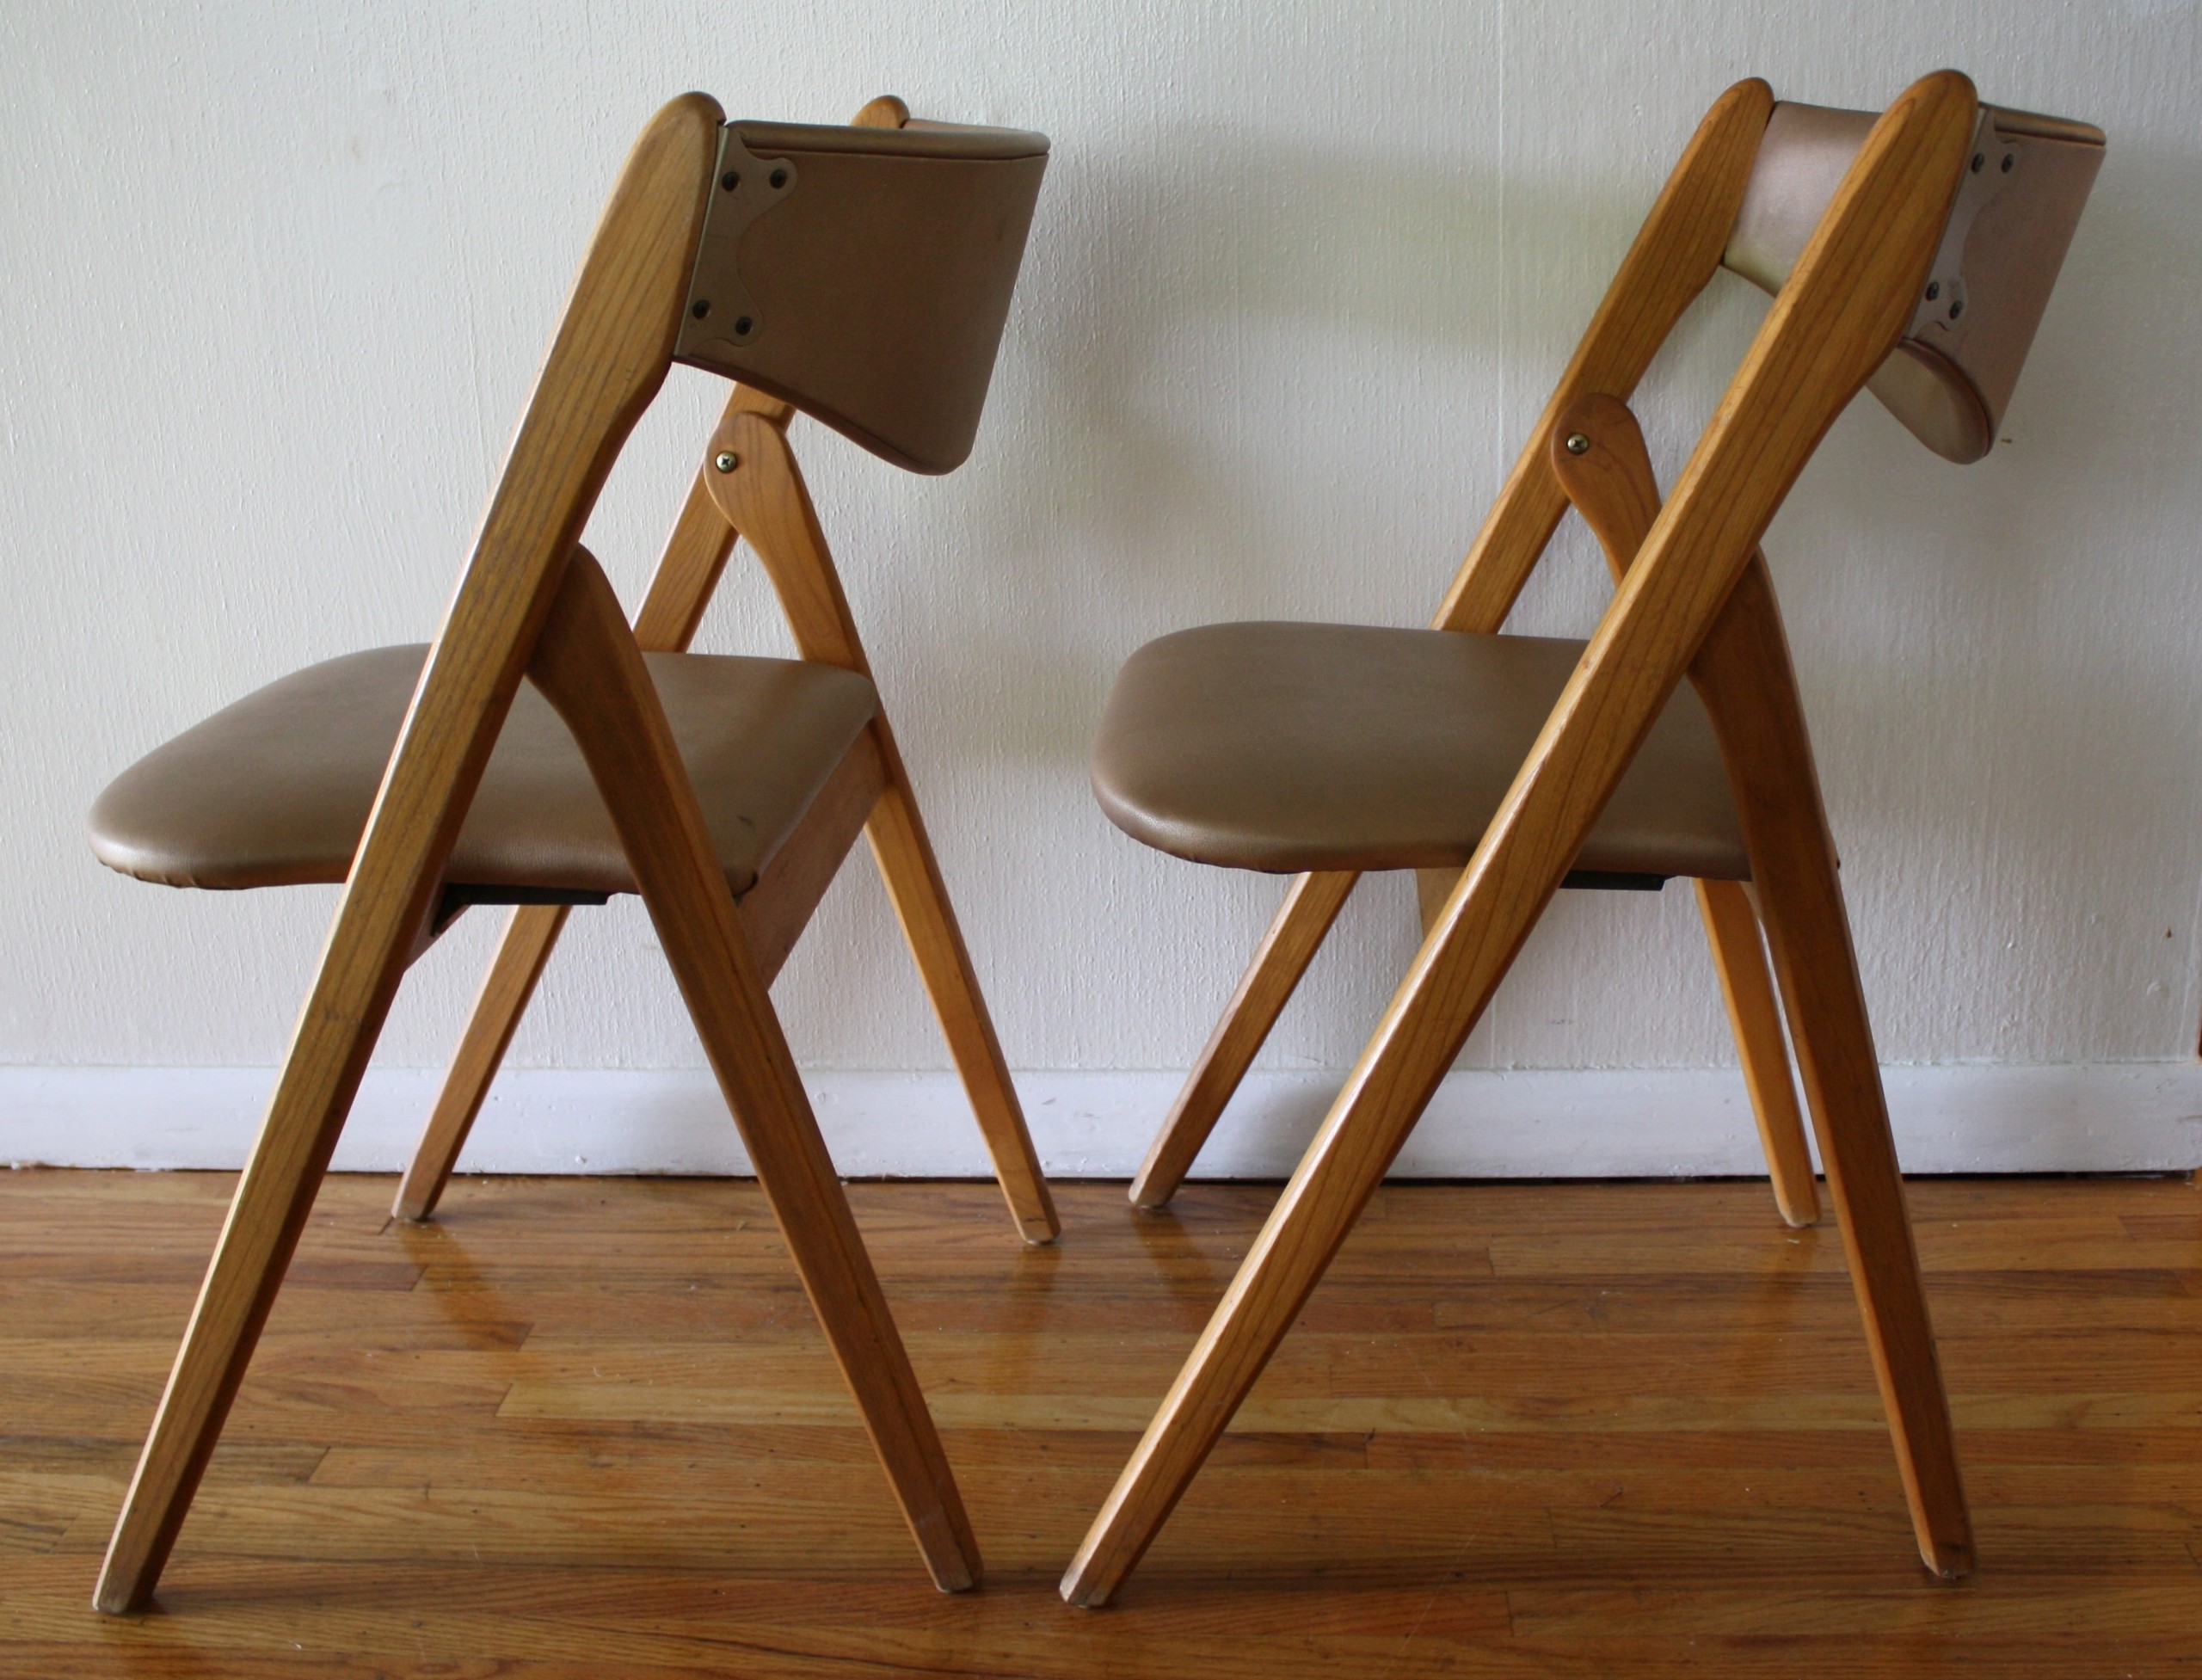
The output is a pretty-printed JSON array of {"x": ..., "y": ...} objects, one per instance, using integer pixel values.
[
  {"x": 1913, "y": 253},
  {"x": 860, "y": 274}
]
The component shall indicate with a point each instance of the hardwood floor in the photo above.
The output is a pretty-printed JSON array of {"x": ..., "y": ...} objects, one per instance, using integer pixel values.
[{"x": 587, "y": 1427}]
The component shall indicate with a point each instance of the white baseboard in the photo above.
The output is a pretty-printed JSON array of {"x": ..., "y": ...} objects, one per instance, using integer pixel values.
[{"x": 1668, "y": 1123}]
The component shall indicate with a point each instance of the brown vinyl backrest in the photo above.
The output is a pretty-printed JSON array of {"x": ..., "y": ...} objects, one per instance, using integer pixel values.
[
  {"x": 864, "y": 274},
  {"x": 1950, "y": 376}
]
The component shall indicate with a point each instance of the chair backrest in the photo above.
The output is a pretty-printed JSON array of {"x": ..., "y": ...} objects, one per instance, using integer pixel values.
[
  {"x": 1950, "y": 376},
  {"x": 1754, "y": 190},
  {"x": 864, "y": 273}
]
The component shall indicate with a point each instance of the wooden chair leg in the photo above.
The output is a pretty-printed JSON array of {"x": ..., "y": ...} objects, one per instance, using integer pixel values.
[
  {"x": 526, "y": 946},
  {"x": 366, "y": 959},
  {"x": 1444, "y": 993},
  {"x": 1732, "y": 928},
  {"x": 607, "y": 361},
  {"x": 1743, "y": 673},
  {"x": 1611, "y": 483},
  {"x": 1808, "y": 930},
  {"x": 1295, "y": 934},
  {"x": 588, "y": 665},
  {"x": 763, "y": 495},
  {"x": 912, "y": 873}
]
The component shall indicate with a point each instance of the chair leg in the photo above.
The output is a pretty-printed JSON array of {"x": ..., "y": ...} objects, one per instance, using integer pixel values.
[
  {"x": 366, "y": 959},
  {"x": 741, "y": 1034},
  {"x": 586, "y": 664},
  {"x": 763, "y": 496},
  {"x": 912, "y": 873},
  {"x": 1295, "y": 934},
  {"x": 529, "y": 937},
  {"x": 1808, "y": 930},
  {"x": 1611, "y": 483},
  {"x": 1732, "y": 928},
  {"x": 1421, "y": 1033}
]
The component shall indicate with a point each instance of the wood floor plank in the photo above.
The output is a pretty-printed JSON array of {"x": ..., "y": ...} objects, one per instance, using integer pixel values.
[{"x": 590, "y": 1427}]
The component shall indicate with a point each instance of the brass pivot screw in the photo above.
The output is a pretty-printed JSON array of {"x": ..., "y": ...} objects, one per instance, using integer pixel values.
[
  {"x": 1578, "y": 444},
  {"x": 726, "y": 461}
]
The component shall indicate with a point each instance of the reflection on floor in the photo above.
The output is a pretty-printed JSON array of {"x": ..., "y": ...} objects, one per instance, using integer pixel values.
[{"x": 587, "y": 1427}]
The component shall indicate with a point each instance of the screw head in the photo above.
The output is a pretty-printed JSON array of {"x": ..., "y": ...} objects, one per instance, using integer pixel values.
[
  {"x": 1578, "y": 444},
  {"x": 779, "y": 177},
  {"x": 700, "y": 308},
  {"x": 726, "y": 461},
  {"x": 1934, "y": 290},
  {"x": 730, "y": 180}
]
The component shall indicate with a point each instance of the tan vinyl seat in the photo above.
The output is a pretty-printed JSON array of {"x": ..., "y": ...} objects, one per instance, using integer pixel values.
[
  {"x": 275, "y": 790},
  {"x": 1308, "y": 747}
]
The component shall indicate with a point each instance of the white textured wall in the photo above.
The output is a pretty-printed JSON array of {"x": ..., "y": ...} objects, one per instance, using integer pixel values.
[{"x": 276, "y": 278}]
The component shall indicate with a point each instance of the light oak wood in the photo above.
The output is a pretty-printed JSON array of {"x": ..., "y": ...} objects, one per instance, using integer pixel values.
[
  {"x": 1808, "y": 930},
  {"x": 884, "y": 112},
  {"x": 775, "y": 912},
  {"x": 523, "y": 951},
  {"x": 1311, "y": 905},
  {"x": 589, "y": 666},
  {"x": 530, "y": 602},
  {"x": 763, "y": 496},
  {"x": 1754, "y": 1016},
  {"x": 1598, "y": 456},
  {"x": 609, "y": 357},
  {"x": 1844, "y": 306},
  {"x": 1674, "y": 256},
  {"x": 1641, "y": 1438},
  {"x": 687, "y": 575}
]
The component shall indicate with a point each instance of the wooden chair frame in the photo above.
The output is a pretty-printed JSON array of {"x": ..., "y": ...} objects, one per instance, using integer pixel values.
[
  {"x": 1693, "y": 597},
  {"x": 532, "y": 603}
]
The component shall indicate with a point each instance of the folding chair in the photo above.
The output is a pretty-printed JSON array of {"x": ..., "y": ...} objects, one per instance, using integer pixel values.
[
  {"x": 861, "y": 275},
  {"x": 1914, "y": 254}
]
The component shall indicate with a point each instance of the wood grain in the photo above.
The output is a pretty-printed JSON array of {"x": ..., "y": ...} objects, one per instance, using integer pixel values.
[
  {"x": 589, "y": 667},
  {"x": 775, "y": 911},
  {"x": 609, "y": 355},
  {"x": 1744, "y": 675},
  {"x": 1808, "y": 931},
  {"x": 1598, "y": 456},
  {"x": 764, "y": 497},
  {"x": 380, "y": 1508},
  {"x": 1676, "y": 253},
  {"x": 523, "y": 951},
  {"x": 1755, "y": 1019},
  {"x": 1847, "y": 300}
]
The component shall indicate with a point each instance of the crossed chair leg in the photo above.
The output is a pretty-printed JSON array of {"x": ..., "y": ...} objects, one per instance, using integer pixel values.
[
  {"x": 1312, "y": 906},
  {"x": 588, "y": 664},
  {"x": 1744, "y": 672}
]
